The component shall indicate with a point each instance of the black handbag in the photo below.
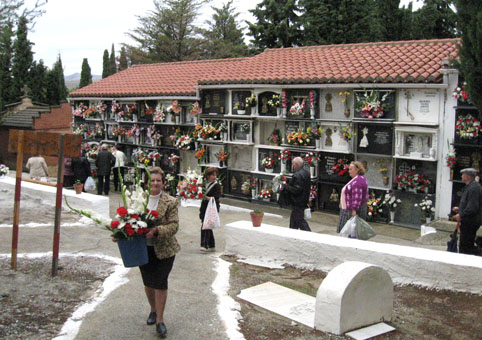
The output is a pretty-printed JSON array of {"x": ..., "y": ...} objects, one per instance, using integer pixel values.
[{"x": 452, "y": 243}]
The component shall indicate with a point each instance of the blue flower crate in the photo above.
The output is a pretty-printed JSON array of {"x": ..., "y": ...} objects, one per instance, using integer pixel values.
[{"x": 133, "y": 251}]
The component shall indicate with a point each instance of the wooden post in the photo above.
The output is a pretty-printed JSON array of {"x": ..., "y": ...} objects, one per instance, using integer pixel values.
[
  {"x": 58, "y": 206},
  {"x": 16, "y": 205}
]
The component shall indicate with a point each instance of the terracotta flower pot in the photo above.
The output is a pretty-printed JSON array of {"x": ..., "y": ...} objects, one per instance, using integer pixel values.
[
  {"x": 78, "y": 188},
  {"x": 256, "y": 218}
]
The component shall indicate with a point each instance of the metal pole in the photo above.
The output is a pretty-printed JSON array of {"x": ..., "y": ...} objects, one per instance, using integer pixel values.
[
  {"x": 58, "y": 206},
  {"x": 16, "y": 205}
]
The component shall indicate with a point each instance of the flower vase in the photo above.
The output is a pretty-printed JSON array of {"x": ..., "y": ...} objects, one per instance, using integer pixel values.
[
  {"x": 178, "y": 119},
  {"x": 119, "y": 139},
  {"x": 385, "y": 180},
  {"x": 267, "y": 199},
  {"x": 221, "y": 164},
  {"x": 133, "y": 251},
  {"x": 277, "y": 196},
  {"x": 318, "y": 143},
  {"x": 134, "y": 117},
  {"x": 392, "y": 217},
  {"x": 248, "y": 137},
  {"x": 451, "y": 174},
  {"x": 312, "y": 113},
  {"x": 283, "y": 112},
  {"x": 241, "y": 112},
  {"x": 268, "y": 170},
  {"x": 312, "y": 171},
  {"x": 278, "y": 112},
  {"x": 283, "y": 166},
  {"x": 425, "y": 190},
  {"x": 412, "y": 190},
  {"x": 225, "y": 136},
  {"x": 347, "y": 112},
  {"x": 428, "y": 220},
  {"x": 253, "y": 194}
]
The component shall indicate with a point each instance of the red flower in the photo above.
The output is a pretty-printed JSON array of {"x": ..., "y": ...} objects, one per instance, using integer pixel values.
[
  {"x": 122, "y": 212},
  {"x": 154, "y": 213},
  {"x": 200, "y": 195},
  {"x": 114, "y": 224},
  {"x": 135, "y": 216},
  {"x": 129, "y": 230}
]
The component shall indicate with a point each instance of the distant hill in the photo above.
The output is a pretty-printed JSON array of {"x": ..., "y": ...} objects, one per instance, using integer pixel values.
[{"x": 72, "y": 81}]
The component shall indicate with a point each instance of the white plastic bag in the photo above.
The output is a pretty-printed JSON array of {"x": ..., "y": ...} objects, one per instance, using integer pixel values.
[
  {"x": 307, "y": 213},
  {"x": 211, "y": 217},
  {"x": 89, "y": 184},
  {"x": 349, "y": 229}
]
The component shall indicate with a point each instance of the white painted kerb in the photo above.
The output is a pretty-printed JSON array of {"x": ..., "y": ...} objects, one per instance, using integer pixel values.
[
  {"x": 96, "y": 203},
  {"x": 406, "y": 265}
]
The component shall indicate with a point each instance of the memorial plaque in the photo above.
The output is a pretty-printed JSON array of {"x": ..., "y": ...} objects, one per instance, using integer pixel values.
[
  {"x": 214, "y": 101},
  {"x": 419, "y": 105},
  {"x": 327, "y": 161},
  {"x": 241, "y": 158},
  {"x": 292, "y": 126},
  {"x": 375, "y": 138},
  {"x": 239, "y": 133},
  {"x": 408, "y": 214}
]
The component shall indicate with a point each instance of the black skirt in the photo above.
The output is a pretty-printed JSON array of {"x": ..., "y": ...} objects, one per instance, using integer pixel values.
[{"x": 156, "y": 272}]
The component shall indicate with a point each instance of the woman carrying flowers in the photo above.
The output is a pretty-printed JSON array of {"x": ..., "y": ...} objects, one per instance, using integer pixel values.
[
  {"x": 354, "y": 195},
  {"x": 162, "y": 247},
  {"x": 213, "y": 189}
]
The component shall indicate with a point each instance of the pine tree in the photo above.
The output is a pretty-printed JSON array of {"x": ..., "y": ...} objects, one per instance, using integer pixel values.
[
  {"x": 39, "y": 82},
  {"x": 105, "y": 64},
  {"x": 22, "y": 59},
  {"x": 58, "y": 71},
  {"x": 277, "y": 24},
  {"x": 167, "y": 33},
  {"x": 123, "y": 63},
  {"x": 6, "y": 52},
  {"x": 85, "y": 75},
  {"x": 387, "y": 20},
  {"x": 469, "y": 14},
  {"x": 112, "y": 62},
  {"x": 435, "y": 20},
  {"x": 224, "y": 37}
]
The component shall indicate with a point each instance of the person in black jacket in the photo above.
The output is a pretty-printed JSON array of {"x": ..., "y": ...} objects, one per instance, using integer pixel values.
[
  {"x": 81, "y": 169},
  {"x": 104, "y": 163},
  {"x": 299, "y": 192},
  {"x": 469, "y": 212},
  {"x": 213, "y": 189}
]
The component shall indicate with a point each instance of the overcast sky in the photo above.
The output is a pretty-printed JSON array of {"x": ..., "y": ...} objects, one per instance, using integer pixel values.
[{"x": 84, "y": 29}]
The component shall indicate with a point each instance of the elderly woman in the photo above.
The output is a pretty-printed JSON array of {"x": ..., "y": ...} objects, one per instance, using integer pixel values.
[
  {"x": 213, "y": 189},
  {"x": 354, "y": 195},
  {"x": 162, "y": 247}
]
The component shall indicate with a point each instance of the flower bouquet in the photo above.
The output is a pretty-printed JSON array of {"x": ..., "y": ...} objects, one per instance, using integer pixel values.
[
  {"x": 374, "y": 206},
  {"x": 285, "y": 156},
  {"x": 371, "y": 105},
  {"x": 426, "y": 207},
  {"x": 451, "y": 157},
  {"x": 313, "y": 192},
  {"x": 467, "y": 127},
  {"x": 174, "y": 159},
  {"x": 346, "y": 133},
  {"x": 3, "y": 170},
  {"x": 315, "y": 131},
  {"x": 91, "y": 113},
  {"x": 251, "y": 101},
  {"x": 297, "y": 109},
  {"x": 461, "y": 94},
  {"x": 208, "y": 131},
  {"x": 268, "y": 162},
  {"x": 175, "y": 109},
  {"x": 275, "y": 137},
  {"x": 127, "y": 114},
  {"x": 195, "y": 109},
  {"x": 340, "y": 167},
  {"x": 299, "y": 138},
  {"x": 274, "y": 101},
  {"x": 245, "y": 128},
  {"x": 159, "y": 115},
  {"x": 222, "y": 156},
  {"x": 78, "y": 129},
  {"x": 92, "y": 152},
  {"x": 191, "y": 187},
  {"x": 200, "y": 154},
  {"x": 266, "y": 193},
  {"x": 311, "y": 158},
  {"x": 80, "y": 110},
  {"x": 184, "y": 142},
  {"x": 141, "y": 156},
  {"x": 390, "y": 201},
  {"x": 154, "y": 156},
  {"x": 119, "y": 131}
]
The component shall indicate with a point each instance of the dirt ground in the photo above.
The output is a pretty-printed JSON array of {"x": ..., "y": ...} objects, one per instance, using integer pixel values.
[{"x": 417, "y": 313}]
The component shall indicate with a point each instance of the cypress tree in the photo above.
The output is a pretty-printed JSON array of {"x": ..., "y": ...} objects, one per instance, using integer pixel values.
[
  {"x": 469, "y": 21},
  {"x": 105, "y": 64},
  {"x": 58, "y": 72},
  {"x": 435, "y": 20},
  {"x": 22, "y": 59},
  {"x": 112, "y": 62},
  {"x": 39, "y": 82},
  {"x": 6, "y": 51},
  {"x": 85, "y": 74},
  {"x": 123, "y": 64}
]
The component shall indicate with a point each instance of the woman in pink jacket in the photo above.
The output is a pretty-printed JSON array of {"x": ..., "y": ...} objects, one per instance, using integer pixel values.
[{"x": 354, "y": 195}]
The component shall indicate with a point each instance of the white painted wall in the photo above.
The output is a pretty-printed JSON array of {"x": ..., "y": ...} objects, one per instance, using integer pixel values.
[{"x": 406, "y": 265}]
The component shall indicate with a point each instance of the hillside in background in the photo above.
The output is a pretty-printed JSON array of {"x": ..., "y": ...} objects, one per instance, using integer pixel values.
[{"x": 72, "y": 81}]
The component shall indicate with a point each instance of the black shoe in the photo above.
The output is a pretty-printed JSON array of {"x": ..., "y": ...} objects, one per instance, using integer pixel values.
[
  {"x": 152, "y": 318},
  {"x": 161, "y": 329}
]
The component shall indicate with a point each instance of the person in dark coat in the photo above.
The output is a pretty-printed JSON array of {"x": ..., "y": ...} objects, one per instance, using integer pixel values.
[
  {"x": 468, "y": 212},
  {"x": 299, "y": 192},
  {"x": 213, "y": 189},
  {"x": 81, "y": 169},
  {"x": 104, "y": 163}
]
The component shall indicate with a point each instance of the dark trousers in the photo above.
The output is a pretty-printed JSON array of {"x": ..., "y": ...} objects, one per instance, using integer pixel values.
[
  {"x": 207, "y": 238},
  {"x": 467, "y": 239},
  {"x": 103, "y": 184},
  {"x": 297, "y": 219},
  {"x": 116, "y": 177}
]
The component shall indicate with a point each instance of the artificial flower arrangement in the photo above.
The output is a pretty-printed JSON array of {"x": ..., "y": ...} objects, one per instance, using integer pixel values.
[
  {"x": 221, "y": 127},
  {"x": 390, "y": 201},
  {"x": 467, "y": 127},
  {"x": 426, "y": 206},
  {"x": 191, "y": 187},
  {"x": 245, "y": 128},
  {"x": 208, "y": 131},
  {"x": 266, "y": 193},
  {"x": 133, "y": 219},
  {"x": 184, "y": 142},
  {"x": 239, "y": 106},
  {"x": 119, "y": 131},
  {"x": 246, "y": 187},
  {"x": 171, "y": 184},
  {"x": 274, "y": 101},
  {"x": 148, "y": 111},
  {"x": 173, "y": 158},
  {"x": 275, "y": 137},
  {"x": 284, "y": 100},
  {"x": 78, "y": 129},
  {"x": 91, "y": 112},
  {"x": 297, "y": 109},
  {"x": 313, "y": 192},
  {"x": 451, "y": 157},
  {"x": 154, "y": 156},
  {"x": 460, "y": 93},
  {"x": 268, "y": 162},
  {"x": 374, "y": 206},
  {"x": 346, "y": 133},
  {"x": 195, "y": 109},
  {"x": 371, "y": 105},
  {"x": 159, "y": 115},
  {"x": 312, "y": 96},
  {"x": 285, "y": 156},
  {"x": 175, "y": 109},
  {"x": 299, "y": 138},
  {"x": 115, "y": 108},
  {"x": 412, "y": 180},
  {"x": 79, "y": 111},
  {"x": 153, "y": 133},
  {"x": 101, "y": 108},
  {"x": 127, "y": 113},
  {"x": 311, "y": 158},
  {"x": 3, "y": 170},
  {"x": 279, "y": 181},
  {"x": 91, "y": 151},
  {"x": 200, "y": 154},
  {"x": 251, "y": 101},
  {"x": 222, "y": 155},
  {"x": 141, "y": 156},
  {"x": 135, "y": 131},
  {"x": 340, "y": 167},
  {"x": 315, "y": 131}
]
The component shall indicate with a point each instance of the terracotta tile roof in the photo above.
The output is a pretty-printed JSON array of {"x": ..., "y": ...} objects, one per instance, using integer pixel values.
[
  {"x": 416, "y": 61},
  {"x": 160, "y": 79}
]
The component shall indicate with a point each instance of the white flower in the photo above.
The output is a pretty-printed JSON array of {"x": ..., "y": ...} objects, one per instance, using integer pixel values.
[
  {"x": 415, "y": 205},
  {"x": 394, "y": 205}
]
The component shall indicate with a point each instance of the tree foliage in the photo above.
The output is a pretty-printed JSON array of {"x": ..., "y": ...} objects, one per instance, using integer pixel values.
[
  {"x": 469, "y": 14},
  {"x": 22, "y": 59},
  {"x": 105, "y": 64},
  {"x": 6, "y": 54},
  {"x": 38, "y": 82},
  {"x": 112, "y": 61},
  {"x": 12, "y": 10},
  {"x": 123, "y": 62},
  {"x": 85, "y": 74}
]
